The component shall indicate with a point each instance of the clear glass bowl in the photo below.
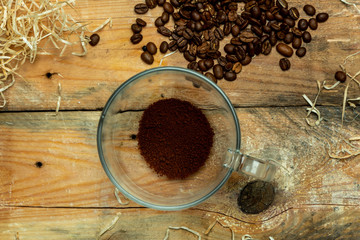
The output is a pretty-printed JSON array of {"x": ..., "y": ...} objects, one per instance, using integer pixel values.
[{"x": 119, "y": 152}]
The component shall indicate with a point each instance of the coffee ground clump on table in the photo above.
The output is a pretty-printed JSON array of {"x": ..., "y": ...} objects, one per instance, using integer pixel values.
[{"x": 175, "y": 138}]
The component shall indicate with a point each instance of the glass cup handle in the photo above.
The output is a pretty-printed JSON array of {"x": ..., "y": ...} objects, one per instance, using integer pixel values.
[{"x": 242, "y": 163}]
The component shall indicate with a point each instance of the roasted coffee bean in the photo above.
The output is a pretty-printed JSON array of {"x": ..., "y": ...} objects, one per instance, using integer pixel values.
[
  {"x": 303, "y": 24},
  {"x": 284, "y": 50},
  {"x": 255, "y": 12},
  {"x": 289, "y": 37},
  {"x": 232, "y": 16},
  {"x": 262, "y": 19},
  {"x": 296, "y": 42},
  {"x": 202, "y": 55},
  {"x": 264, "y": 38},
  {"x": 136, "y": 38},
  {"x": 174, "y": 36},
  {"x": 257, "y": 47},
  {"x": 141, "y": 22},
  {"x": 94, "y": 39},
  {"x": 222, "y": 61},
  {"x": 227, "y": 28},
  {"x": 313, "y": 24},
  {"x": 195, "y": 15},
  {"x": 175, "y": 3},
  {"x": 164, "y": 46},
  {"x": 254, "y": 21},
  {"x": 228, "y": 66},
  {"x": 159, "y": 22},
  {"x": 151, "y": 3},
  {"x": 193, "y": 49},
  {"x": 296, "y": 32},
  {"x": 198, "y": 26},
  {"x": 164, "y": 31},
  {"x": 322, "y": 17},
  {"x": 183, "y": 49},
  {"x": 188, "y": 34},
  {"x": 269, "y": 16},
  {"x": 242, "y": 23},
  {"x": 213, "y": 54},
  {"x": 246, "y": 61},
  {"x": 219, "y": 34},
  {"x": 231, "y": 58},
  {"x": 202, "y": 66},
  {"x": 266, "y": 47},
  {"x": 211, "y": 77},
  {"x": 278, "y": 17},
  {"x": 230, "y": 76},
  {"x": 284, "y": 27},
  {"x": 173, "y": 45},
  {"x": 147, "y": 58},
  {"x": 214, "y": 44},
  {"x": 273, "y": 39},
  {"x": 301, "y": 52},
  {"x": 306, "y": 37},
  {"x": 192, "y": 65},
  {"x": 197, "y": 40},
  {"x": 218, "y": 71},
  {"x": 221, "y": 16},
  {"x": 141, "y": 8},
  {"x": 176, "y": 16},
  {"x": 229, "y": 48},
  {"x": 204, "y": 47},
  {"x": 290, "y": 22},
  {"x": 168, "y": 7},
  {"x": 246, "y": 36},
  {"x": 340, "y": 76},
  {"x": 161, "y": 2},
  {"x": 181, "y": 42},
  {"x": 251, "y": 49},
  {"x": 294, "y": 13},
  {"x": 236, "y": 41},
  {"x": 284, "y": 64},
  {"x": 257, "y": 30},
  {"x": 275, "y": 26},
  {"x": 240, "y": 53},
  {"x": 309, "y": 10},
  {"x": 266, "y": 29},
  {"x": 237, "y": 67},
  {"x": 151, "y": 48},
  {"x": 235, "y": 30},
  {"x": 165, "y": 17},
  {"x": 280, "y": 35},
  {"x": 209, "y": 63},
  {"x": 282, "y": 3}
]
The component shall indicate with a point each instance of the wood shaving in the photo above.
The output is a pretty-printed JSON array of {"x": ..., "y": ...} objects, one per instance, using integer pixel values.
[
  {"x": 248, "y": 237},
  {"x": 313, "y": 109},
  {"x": 344, "y": 149},
  {"x": 27, "y": 23},
  {"x": 165, "y": 56},
  {"x": 119, "y": 199},
  {"x": 357, "y": 138},
  {"x": 352, "y": 4},
  {"x": 181, "y": 228},
  {"x": 108, "y": 228},
  {"x": 59, "y": 99},
  {"x": 214, "y": 223}
]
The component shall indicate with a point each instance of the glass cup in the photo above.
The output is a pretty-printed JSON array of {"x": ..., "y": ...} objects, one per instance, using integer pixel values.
[{"x": 127, "y": 169}]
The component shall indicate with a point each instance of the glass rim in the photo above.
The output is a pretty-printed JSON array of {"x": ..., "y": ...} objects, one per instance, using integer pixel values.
[{"x": 101, "y": 122}]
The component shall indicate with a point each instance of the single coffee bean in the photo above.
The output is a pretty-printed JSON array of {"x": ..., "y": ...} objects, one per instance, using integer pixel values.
[
  {"x": 303, "y": 24},
  {"x": 189, "y": 57},
  {"x": 278, "y": 17},
  {"x": 322, "y": 17},
  {"x": 141, "y": 22},
  {"x": 183, "y": 49},
  {"x": 306, "y": 37},
  {"x": 221, "y": 16},
  {"x": 296, "y": 42},
  {"x": 240, "y": 53},
  {"x": 94, "y": 39},
  {"x": 266, "y": 47},
  {"x": 231, "y": 58},
  {"x": 161, "y": 2},
  {"x": 257, "y": 30},
  {"x": 251, "y": 49},
  {"x": 289, "y": 37},
  {"x": 232, "y": 16},
  {"x": 309, "y": 10},
  {"x": 192, "y": 65},
  {"x": 173, "y": 45},
  {"x": 229, "y": 48},
  {"x": 151, "y": 48},
  {"x": 211, "y": 77},
  {"x": 294, "y": 13},
  {"x": 266, "y": 29},
  {"x": 284, "y": 12},
  {"x": 202, "y": 66},
  {"x": 313, "y": 24},
  {"x": 198, "y": 26},
  {"x": 230, "y": 76},
  {"x": 255, "y": 12},
  {"x": 280, "y": 35},
  {"x": 340, "y": 76},
  {"x": 175, "y": 3},
  {"x": 165, "y": 17},
  {"x": 227, "y": 28},
  {"x": 273, "y": 39},
  {"x": 282, "y": 3},
  {"x": 235, "y": 30},
  {"x": 141, "y": 8},
  {"x": 147, "y": 58},
  {"x": 246, "y": 36},
  {"x": 284, "y": 64},
  {"x": 136, "y": 38},
  {"x": 168, "y": 7},
  {"x": 164, "y": 46},
  {"x": 275, "y": 27},
  {"x": 176, "y": 16},
  {"x": 284, "y": 50},
  {"x": 209, "y": 63},
  {"x": 195, "y": 15},
  {"x": 237, "y": 67},
  {"x": 296, "y": 32},
  {"x": 284, "y": 27},
  {"x": 228, "y": 66},
  {"x": 269, "y": 16},
  {"x": 181, "y": 42},
  {"x": 188, "y": 34},
  {"x": 218, "y": 71},
  {"x": 164, "y": 31},
  {"x": 246, "y": 61},
  {"x": 290, "y": 22},
  {"x": 301, "y": 52},
  {"x": 219, "y": 34},
  {"x": 151, "y": 3},
  {"x": 222, "y": 61},
  {"x": 159, "y": 22}
]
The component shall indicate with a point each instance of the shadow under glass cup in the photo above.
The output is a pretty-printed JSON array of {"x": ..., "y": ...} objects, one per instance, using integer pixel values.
[{"x": 128, "y": 170}]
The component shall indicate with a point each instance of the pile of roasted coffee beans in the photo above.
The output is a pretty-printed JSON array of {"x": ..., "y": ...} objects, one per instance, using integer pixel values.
[{"x": 200, "y": 25}]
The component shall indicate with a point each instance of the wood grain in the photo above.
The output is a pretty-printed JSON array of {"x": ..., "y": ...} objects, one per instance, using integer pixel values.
[
  {"x": 317, "y": 198},
  {"x": 89, "y": 81}
]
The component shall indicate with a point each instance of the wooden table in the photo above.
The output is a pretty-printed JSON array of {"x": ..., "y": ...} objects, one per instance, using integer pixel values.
[{"x": 52, "y": 185}]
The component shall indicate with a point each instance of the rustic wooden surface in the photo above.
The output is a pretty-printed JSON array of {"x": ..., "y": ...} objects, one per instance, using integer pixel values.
[{"x": 70, "y": 196}]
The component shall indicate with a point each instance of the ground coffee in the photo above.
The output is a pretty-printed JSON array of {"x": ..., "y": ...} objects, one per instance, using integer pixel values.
[{"x": 175, "y": 138}]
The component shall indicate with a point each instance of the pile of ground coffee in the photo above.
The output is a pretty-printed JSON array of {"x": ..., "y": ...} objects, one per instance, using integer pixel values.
[{"x": 175, "y": 138}]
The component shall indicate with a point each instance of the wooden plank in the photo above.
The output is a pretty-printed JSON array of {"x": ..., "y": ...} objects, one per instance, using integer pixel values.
[
  {"x": 72, "y": 176},
  {"x": 132, "y": 224},
  {"x": 89, "y": 81}
]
